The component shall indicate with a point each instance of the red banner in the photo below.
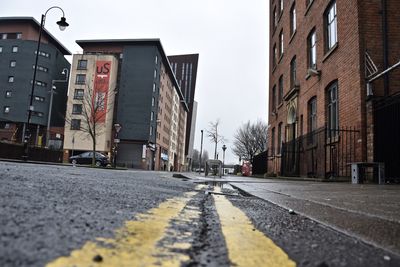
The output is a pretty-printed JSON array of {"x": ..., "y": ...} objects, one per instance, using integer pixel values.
[{"x": 101, "y": 85}]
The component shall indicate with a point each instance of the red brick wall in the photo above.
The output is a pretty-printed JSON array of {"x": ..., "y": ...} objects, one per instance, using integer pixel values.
[{"x": 341, "y": 64}]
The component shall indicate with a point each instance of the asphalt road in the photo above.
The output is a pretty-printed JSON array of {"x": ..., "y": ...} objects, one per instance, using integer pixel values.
[{"x": 66, "y": 216}]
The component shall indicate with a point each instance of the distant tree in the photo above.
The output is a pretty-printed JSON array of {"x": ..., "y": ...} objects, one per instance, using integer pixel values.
[
  {"x": 250, "y": 139},
  {"x": 95, "y": 107},
  {"x": 214, "y": 136}
]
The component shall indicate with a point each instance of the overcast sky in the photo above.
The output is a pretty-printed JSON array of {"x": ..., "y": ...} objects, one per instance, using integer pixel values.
[{"x": 231, "y": 37}]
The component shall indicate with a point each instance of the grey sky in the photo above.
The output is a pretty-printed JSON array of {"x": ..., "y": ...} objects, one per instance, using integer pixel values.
[{"x": 231, "y": 37}]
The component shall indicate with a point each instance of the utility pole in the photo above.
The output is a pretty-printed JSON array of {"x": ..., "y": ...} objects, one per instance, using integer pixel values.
[{"x": 201, "y": 150}]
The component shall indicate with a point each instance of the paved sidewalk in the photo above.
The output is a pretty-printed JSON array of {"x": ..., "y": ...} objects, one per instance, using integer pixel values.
[{"x": 369, "y": 212}]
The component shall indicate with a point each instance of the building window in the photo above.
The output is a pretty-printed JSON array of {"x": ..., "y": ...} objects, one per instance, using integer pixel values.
[
  {"x": 154, "y": 87},
  {"x": 75, "y": 124},
  {"x": 4, "y": 36},
  {"x": 281, "y": 6},
  {"x": 14, "y": 49},
  {"x": 1, "y": 49},
  {"x": 281, "y": 43},
  {"x": 151, "y": 131},
  {"x": 152, "y": 116},
  {"x": 156, "y": 61},
  {"x": 331, "y": 26},
  {"x": 10, "y": 79},
  {"x": 155, "y": 74},
  {"x": 82, "y": 64},
  {"x": 6, "y": 109},
  {"x": 279, "y": 141},
  {"x": 43, "y": 54},
  {"x": 80, "y": 79},
  {"x": 312, "y": 115},
  {"x": 274, "y": 56},
  {"x": 293, "y": 22},
  {"x": 77, "y": 109},
  {"x": 153, "y": 101},
  {"x": 40, "y": 83},
  {"x": 273, "y": 141},
  {"x": 280, "y": 90},
  {"x": 13, "y": 63},
  {"x": 78, "y": 94},
  {"x": 293, "y": 75},
  {"x": 39, "y": 98},
  {"x": 312, "y": 50},
  {"x": 8, "y": 94},
  {"x": 274, "y": 98},
  {"x": 333, "y": 112},
  {"x": 41, "y": 68},
  {"x": 19, "y": 35}
]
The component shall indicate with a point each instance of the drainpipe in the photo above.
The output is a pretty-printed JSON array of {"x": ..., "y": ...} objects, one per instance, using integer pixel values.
[{"x": 385, "y": 47}]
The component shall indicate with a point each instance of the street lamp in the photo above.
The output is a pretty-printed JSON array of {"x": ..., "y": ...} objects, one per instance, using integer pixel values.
[
  {"x": 63, "y": 25},
  {"x": 53, "y": 88},
  {"x": 117, "y": 128},
  {"x": 223, "y": 159},
  {"x": 201, "y": 150}
]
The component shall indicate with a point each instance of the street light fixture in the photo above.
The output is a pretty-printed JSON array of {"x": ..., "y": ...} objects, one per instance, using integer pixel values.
[
  {"x": 53, "y": 88},
  {"x": 117, "y": 128},
  {"x": 63, "y": 25},
  {"x": 223, "y": 159}
]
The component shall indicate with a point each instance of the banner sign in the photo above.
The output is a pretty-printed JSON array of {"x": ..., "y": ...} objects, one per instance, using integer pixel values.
[{"x": 101, "y": 86}]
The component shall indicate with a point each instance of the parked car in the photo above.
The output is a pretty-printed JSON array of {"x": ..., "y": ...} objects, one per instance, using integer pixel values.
[{"x": 86, "y": 158}]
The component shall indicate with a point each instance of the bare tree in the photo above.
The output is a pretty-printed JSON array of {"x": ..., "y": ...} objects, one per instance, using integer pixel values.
[
  {"x": 212, "y": 133},
  {"x": 94, "y": 105},
  {"x": 250, "y": 139}
]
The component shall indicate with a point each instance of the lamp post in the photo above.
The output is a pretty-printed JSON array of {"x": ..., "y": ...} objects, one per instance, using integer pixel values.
[
  {"x": 201, "y": 151},
  {"x": 223, "y": 159},
  {"x": 63, "y": 25},
  {"x": 53, "y": 88},
  {"x": 117, "y": 128}
]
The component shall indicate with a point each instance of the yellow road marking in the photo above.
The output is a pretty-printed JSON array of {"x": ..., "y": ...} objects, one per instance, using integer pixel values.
[
  {"x": 135, "y": 244},
  {"x": 246, "y": 245}
]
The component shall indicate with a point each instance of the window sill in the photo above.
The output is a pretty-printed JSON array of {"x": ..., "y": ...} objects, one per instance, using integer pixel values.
[
  {"x": 330, "y": 52},
  {"x": 291, "y": 37},
  {"x": 309, "y": 7}
]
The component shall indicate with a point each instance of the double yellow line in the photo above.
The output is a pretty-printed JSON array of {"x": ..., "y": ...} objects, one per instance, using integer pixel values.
[{"x": 136, "y": 243}]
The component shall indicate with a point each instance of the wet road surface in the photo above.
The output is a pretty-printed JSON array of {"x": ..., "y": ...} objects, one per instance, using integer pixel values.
[{"x": 65, "y": 216}]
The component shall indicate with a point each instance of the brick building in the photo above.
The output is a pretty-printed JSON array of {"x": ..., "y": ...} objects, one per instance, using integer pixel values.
[{"x": 321, "y": 114}]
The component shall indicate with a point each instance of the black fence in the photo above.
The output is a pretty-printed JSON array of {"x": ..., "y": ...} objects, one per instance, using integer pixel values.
[
  {"x": 16, "y": 151},
  {"x": 387, "y": 134},
  {"x": 321, "y": 153}
]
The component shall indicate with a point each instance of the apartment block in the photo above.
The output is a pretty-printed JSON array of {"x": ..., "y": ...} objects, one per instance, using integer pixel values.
[
  {"x": 18, "y": 45},
  {"x": 185, "y": 69},
  {"x": 143, "y": 87}
]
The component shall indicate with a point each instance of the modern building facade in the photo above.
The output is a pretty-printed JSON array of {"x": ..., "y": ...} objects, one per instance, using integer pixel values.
[
  {"x": 185, "y": 69},
  {"x": 18, "y": 44},
  {"x": 143, "y": 89},
  {"x": 321, "y": 114}
]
